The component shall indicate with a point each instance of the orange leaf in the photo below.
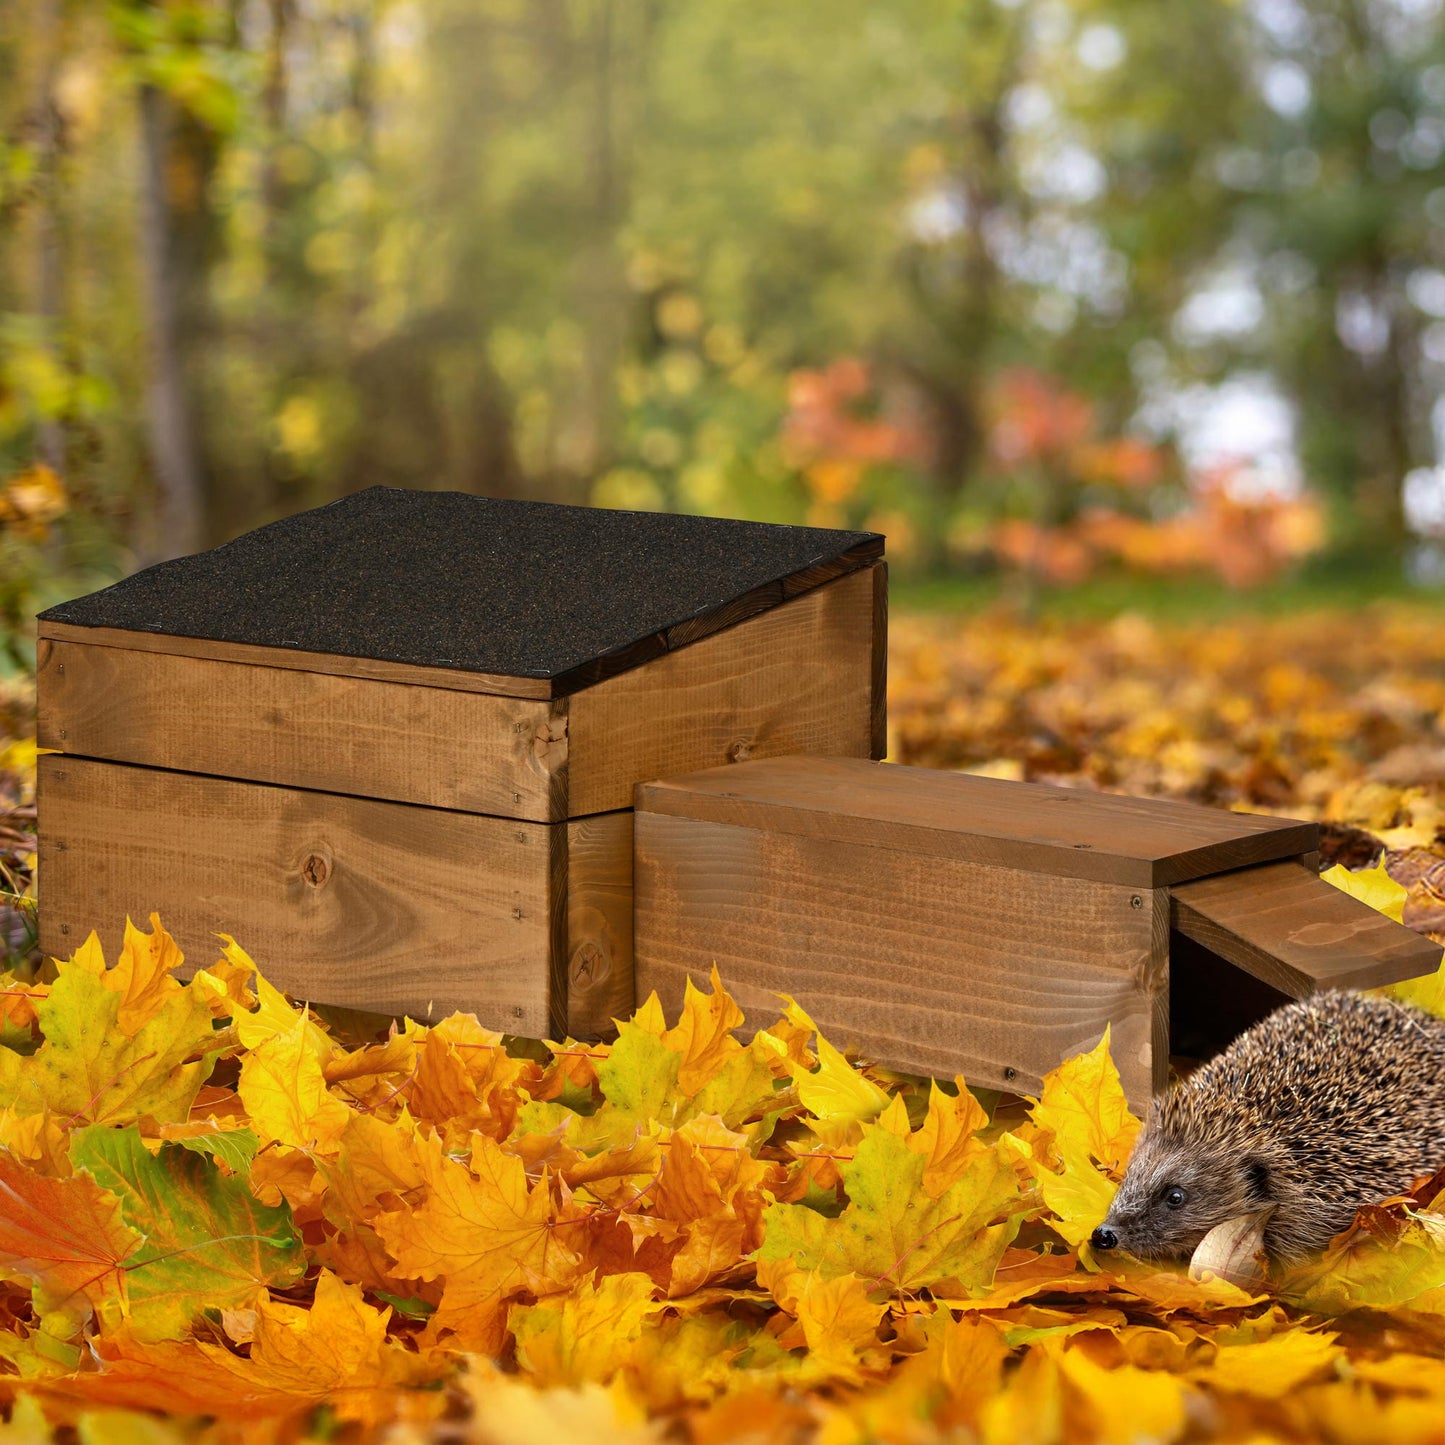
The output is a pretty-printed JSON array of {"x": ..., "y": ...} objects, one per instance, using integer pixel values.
[
  {"x": 483, "y": 1232},
  {"x": 65, "y": 1236}
]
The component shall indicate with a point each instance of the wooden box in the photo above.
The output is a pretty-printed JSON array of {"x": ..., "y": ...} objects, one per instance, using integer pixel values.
[
  {"x": 390, "y": 745},
  {"x": 942, "y": 923}
]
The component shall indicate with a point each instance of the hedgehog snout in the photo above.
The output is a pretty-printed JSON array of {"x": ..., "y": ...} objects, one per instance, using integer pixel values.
[{"x": 1104, "y": 1238}]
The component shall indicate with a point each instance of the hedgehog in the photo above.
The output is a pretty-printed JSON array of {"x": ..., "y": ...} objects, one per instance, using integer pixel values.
[{"x": 1327, "y": 1104}]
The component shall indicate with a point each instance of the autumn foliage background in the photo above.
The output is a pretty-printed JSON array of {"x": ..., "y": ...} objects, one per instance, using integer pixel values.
[{"x": 1124, "y": 322}]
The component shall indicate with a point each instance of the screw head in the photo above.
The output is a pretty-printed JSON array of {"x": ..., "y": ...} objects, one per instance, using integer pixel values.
[
  {"x": 1010, "y": 1074},
  {"x": 1136, "y": 902}
]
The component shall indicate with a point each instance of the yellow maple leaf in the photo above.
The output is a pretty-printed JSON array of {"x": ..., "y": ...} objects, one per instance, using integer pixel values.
[
  {"x": 509, "y": 1411},
  {"x": 587, "y": 1334},
  {"x": 1271, "y": 1368},
  {"x": 1083, "y": 1105},
  {"x": 839, "y": 1322},
  {"x": 284, "y": 1090},
  {"x": 464, "y": 1079},
  {"x": 1126, "y": 1403},
  {"x": 274, "y": 1014},
  {"x": 835, "y": 1090},
  {"x": 703, "y": 1034},
  {"x": 1369, "y": 1270},
  {"x": 481, "y": 1231},
  {"x": 1030, "y": 1407},
  {"x": 144, "y": 975},
  {"x": 947, "y": 1137}
]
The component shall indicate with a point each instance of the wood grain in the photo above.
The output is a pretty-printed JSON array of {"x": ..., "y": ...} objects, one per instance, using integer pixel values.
[
  {"x": 879, "y": 721},
  {"x": 297, "y": 660},
  {"x": 1282, "y": 923},
  {"x": 796, "y": 680},
  {"x": 377, "y": 906},
  {"x": 1063, "y": 832},
  {"x": 933, "y": 965},
  {"x": 310, "y": 730},
  {"x": 599, "y": 924}
]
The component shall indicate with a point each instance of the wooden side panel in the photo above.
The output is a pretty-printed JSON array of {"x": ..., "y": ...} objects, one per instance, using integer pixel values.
[
  {"x": 932, "y": 966},
  {"x": 599, "y": 924},
  {"x": 798, "y": 679},
  {"x": 377, "y": 906},
  {"x": 880, "y": 662},
  {"x": 1282, "y": 923},
  {"x": 305, "y": 729},
  {"x": 1034, "y": 827}
]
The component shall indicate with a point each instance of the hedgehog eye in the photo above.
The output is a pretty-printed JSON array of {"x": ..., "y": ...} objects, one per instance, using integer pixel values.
[{"x": 1174, "y": 1197}]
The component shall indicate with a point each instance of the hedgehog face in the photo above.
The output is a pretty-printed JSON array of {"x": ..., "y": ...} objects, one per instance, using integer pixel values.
[{"x": 1169, "y": 1199}]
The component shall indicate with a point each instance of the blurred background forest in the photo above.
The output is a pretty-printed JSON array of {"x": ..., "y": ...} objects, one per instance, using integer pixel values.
[{"x": 1047, "y": 288}]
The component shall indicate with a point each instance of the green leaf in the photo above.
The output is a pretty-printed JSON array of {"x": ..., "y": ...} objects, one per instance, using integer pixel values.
[
  {"x": 406, "y": 1307},
  {"x": 209, "y": 1242},
  {"x": 639, "y": 1075},
  {"x": 892, "y": 1233},
  {"x": 235, "y": 1148}
]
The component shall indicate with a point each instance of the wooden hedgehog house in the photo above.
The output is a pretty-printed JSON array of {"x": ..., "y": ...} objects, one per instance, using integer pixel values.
[
  {"x": 390, "y": 744},
  {"x": 393, "y": 745}
]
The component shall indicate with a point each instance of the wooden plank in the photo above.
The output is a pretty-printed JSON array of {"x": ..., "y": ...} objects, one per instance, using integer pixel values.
[
  {"x": 879, "y": 727},
  {"x": 1064, "y": 832},
  {"x": 599, "y": 924},
  {"x": 377, "y": 906},
  {"x": 934, "y": 968},
  {"x": 311, "y": 730},
  {"x": 796, "y": 680},
  {"x": 412, "y": 674},
  {"x": 1282, "y": 923}
]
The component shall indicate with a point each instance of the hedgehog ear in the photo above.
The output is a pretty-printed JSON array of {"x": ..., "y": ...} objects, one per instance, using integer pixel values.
[{"x": 1256, "y": 1173}]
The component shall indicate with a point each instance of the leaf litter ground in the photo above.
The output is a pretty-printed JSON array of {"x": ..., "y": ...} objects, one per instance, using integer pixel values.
[{"x": 224, "y": 1222}]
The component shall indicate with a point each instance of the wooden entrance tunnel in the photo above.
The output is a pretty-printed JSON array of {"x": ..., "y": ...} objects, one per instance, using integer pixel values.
[{"x": 944, "y": 923}]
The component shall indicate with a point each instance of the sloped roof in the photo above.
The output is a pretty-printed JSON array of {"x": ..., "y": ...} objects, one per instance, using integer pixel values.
[{"x": 569, "y": 595}]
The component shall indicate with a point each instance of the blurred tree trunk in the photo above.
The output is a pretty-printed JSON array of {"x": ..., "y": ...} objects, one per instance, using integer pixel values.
[
  {"x": 48, "y": 18},
  {"x": 957, "y": 296},
  {"x": 181, "y": 507},
  {"x": 273, "y": 119}
]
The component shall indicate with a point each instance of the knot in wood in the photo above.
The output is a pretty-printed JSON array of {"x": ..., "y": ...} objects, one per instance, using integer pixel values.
[
  {"x": 316, "y": 870},
  {"x": 589, "y": 965},
  {"x": 549, "y": 745}
]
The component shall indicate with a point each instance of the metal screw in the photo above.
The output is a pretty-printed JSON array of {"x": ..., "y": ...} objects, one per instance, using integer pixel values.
[
  {"x": 521, "y": 837},
  {"x": 516, "y": 797},
  {"x": 62, "y": 732},
  {"x": 519, "y": 1012},
  {"x": 60, "y": 847},
  {"x": 517, "y": 914},
  {"x": 1010, "y": 1074},
  {"x": 519, "y": 727},
  {"x": 1136, "y": 902},
  {"x": 62, "y": 667},
  {"x": 65, "y": 928},
  {"x": 60, "y": 777}
]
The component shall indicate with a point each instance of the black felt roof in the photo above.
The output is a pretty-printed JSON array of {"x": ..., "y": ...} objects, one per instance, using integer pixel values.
[{"x": 442, "y": 579}]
